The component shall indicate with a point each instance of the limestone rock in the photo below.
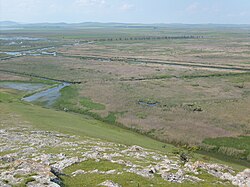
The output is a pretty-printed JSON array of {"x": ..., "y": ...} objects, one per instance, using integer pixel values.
[
  {"x": 109, "y": 183},
  {"x": 242, "y": 179},
  {"x": 78, "y": 172}
]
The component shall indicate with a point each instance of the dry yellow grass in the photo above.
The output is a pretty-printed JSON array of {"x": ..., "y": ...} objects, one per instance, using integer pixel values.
[{"x": 194, "y": 102}]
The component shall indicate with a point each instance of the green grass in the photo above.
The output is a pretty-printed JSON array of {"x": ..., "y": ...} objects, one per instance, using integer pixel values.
[
  {"x": 128, "y": 180},
  {"x": 241, "y": 142},
  {"x": 237, "y": 147},
  {"x": 86, "y": 102},
  {"x": 7, "y": 152},
  {"x": 90, "y": 165},
  {"x": 7, "y": 97},
  {"x": 111, "y": 118},
  {"x": 124, "y": 179},
  {"x": 70, "y": 97},
  {"x": 77, "y": 124},
  {"x": 239, "y": 76},
  {"x": 221, "y": 158},
  {"x": 82, "y": 125}
]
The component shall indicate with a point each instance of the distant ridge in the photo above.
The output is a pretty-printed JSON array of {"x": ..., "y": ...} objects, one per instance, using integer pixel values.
[
  {"x": 118, "y": 25},
  {"x": 8, "y": 23}
]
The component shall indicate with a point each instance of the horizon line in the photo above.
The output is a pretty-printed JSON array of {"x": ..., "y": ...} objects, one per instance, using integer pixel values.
[{"x": 114, "y": 22}]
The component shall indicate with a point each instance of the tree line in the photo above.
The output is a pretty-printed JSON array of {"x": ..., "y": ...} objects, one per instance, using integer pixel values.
[{"x": 147, "y": 38}]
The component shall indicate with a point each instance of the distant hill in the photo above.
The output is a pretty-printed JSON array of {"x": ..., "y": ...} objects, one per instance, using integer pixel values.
[
  {"x": 117, "y": 25},
  {"x": 8, "y": 23}
]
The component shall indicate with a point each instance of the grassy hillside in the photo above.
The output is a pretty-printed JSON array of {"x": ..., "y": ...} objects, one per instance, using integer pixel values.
[
  {"x": 76, "y": 124},
  {"x": 15, "y": 113},
  {"x": 188, "y": 92},
  {"x": 84, "y": 126}
]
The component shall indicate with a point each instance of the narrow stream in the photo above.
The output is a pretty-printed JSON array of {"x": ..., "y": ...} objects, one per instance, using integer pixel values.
[
  {"x": 33, "y": 52},
  {"x": 21, "y": 41}
]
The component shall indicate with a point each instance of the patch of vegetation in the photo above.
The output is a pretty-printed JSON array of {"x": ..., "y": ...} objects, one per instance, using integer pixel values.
[
  {"x": 151, "y": 132},
  {"x": 195, "y": 76},
  {"x": 213, "y": 180},
  {"x": 69, "y": 99},
  {"x": 5, "y": 181},
  {"x": 148, "y": 101},
  {"x": 162, "y": 77},
  {"x": 111, "y": 118},
  {"x": 194, "y": 107},
  {"x": 178, "y": 85},
  {"x": 90, "y": 165},
  {"x": 128, "y": 180},
  {"x": 22, "y": 176},
  {"x": 215, "y": 75},
  {"x": 25, "y": 182},
  {"x": 7, "y": 96},
  {"x": 76, "y": 124},
  {"x": 89, "y": 104},
  {"x": 237, "y": 147},
  {"x": 141, "y": 115}
]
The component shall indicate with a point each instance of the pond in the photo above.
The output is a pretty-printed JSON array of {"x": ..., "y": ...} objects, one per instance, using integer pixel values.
[
  {"x": 48, "y": 96},
  {"x": 150, "y": 104},
  {"x": 22, "y": 86}
]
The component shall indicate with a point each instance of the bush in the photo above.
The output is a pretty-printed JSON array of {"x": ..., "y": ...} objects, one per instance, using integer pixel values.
[
  {"x": 209, "y": 148},
  {"x": 184, "y": 157},
  {"x": 248, "y": 157}
]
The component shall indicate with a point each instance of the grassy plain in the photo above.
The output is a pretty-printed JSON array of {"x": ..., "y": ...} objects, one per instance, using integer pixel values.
[
  {"x": 84, "y": 127},
  {"x": 195, "y": 103},
  {"x": 71, "y": 123}
]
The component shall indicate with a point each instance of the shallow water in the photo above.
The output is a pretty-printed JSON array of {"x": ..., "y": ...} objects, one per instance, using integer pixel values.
[
  {"x": 148, "y": 104},
  {"x": 48, "y": 96},
  {"x": 35, "y": 52},
  {"x": 22, "y": 86},
  {"x": 13, "y": 53},
  {"x": 21, "y": 38}
]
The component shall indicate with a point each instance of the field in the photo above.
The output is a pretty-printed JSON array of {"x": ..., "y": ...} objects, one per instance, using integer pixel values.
[
  {"x": 61, "y": 137},
  {"x": 192, "y": 91}
]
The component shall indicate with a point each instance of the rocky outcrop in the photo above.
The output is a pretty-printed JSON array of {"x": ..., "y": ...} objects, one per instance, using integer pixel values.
[
  {"x": 37, "y": 173},
  {"x": 242, "y": 179},
  {"x": 38, "y": 158}
]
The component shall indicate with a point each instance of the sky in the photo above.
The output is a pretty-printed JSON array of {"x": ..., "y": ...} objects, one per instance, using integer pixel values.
[{"x": 127, "y": 11}]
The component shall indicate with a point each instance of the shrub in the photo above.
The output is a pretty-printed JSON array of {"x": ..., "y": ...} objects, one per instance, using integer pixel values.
[
  {"x": 208, "y": 148},
  {"x": 248, "y": 157}
]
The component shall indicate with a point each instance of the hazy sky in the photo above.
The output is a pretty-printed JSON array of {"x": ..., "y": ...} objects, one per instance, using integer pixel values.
[{"x": 133, "y": 11}]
